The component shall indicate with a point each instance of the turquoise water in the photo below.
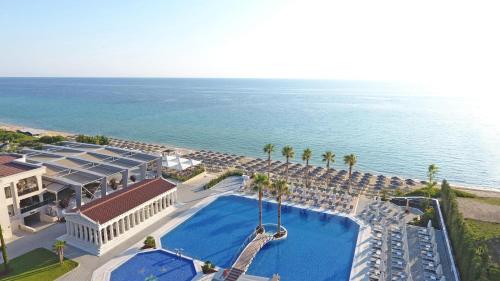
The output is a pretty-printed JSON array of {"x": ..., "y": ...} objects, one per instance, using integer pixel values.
[
  {"x": 164, "y": 266},
  {"x": 392, "y": 128},
  {"x": 318, "y": 246}
]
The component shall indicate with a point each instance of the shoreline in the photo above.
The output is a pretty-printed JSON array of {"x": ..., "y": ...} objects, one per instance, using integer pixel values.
[{"x": 184, "y": 150}]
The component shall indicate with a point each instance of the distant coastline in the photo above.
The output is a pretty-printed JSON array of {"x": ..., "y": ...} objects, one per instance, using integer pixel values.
[{"x": 480, "y": 191}]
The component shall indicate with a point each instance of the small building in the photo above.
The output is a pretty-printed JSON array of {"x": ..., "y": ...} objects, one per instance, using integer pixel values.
[
  {"x": 100, "y": 225},
  {"x": 22, "y": 195}
]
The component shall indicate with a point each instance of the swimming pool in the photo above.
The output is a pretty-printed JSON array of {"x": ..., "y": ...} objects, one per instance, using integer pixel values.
[
  {"x": 318, "y": 247},
  {"x": 159, "y": 264}
]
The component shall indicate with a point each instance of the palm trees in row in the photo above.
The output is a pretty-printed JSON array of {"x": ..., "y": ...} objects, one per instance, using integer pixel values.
[{"x": 328, "y": 157}]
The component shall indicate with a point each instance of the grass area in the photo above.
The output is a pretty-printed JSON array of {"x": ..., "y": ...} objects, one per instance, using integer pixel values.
[
  {"x": 37, "y": 265},
  {"x": 484, "y": 230},
  {"x": 489, "y": 200},
  {"x": 436, "y": 193},
  {"x": 490, "y": 232}
]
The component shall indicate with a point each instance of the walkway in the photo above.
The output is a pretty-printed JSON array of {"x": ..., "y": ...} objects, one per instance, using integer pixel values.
[{"x": 250, "y": 251}]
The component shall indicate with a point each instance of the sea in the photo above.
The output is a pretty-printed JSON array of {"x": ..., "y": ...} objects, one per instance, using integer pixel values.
[{"x": 393, "y": 128}]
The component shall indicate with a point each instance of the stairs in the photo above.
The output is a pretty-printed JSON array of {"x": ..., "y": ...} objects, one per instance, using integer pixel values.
[{"x": 233, "y": 274}]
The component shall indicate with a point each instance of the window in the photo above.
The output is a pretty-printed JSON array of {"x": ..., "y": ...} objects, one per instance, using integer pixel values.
[
  {"x": 10, "y": 209},
  {"x": 8, "y": 192}
]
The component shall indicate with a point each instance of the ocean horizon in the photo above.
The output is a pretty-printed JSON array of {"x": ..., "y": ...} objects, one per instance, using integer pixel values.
[{"x": 394, "y": 129}]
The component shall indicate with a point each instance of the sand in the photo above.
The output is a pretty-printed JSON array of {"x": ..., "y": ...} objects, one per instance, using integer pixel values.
[{"x": 479, "y": 191}]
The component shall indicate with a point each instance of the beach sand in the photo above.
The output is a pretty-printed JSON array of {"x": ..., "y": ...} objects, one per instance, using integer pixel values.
[{"x": 479, "y": 191}]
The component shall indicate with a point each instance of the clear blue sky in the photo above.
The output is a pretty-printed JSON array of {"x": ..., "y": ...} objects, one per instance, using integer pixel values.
[{"x": 384, "y": 39}]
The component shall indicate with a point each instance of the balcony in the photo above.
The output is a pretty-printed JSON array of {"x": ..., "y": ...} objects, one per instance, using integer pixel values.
[{"x": 35, "y": 206}]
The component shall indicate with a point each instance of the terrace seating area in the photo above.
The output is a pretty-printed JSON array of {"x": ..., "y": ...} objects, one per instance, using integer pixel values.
[
  {"x": 389, "y": 254},
  {"x": 399, "y": 251}
]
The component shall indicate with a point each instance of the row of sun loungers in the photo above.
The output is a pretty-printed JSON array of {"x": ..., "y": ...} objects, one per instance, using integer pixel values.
[{"x": 429, "y": 255}]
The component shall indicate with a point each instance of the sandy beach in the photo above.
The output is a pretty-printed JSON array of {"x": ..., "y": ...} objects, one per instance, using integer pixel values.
[{"x": 479, "y": 191}]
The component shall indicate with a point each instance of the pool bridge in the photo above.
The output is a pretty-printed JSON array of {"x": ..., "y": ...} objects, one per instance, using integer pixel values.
[{"x": 252, "y": 246}]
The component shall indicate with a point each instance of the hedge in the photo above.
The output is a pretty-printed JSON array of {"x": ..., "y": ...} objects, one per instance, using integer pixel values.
[
  {"x": 470, "y": 249},
  {"x": 222, "y": 177}
]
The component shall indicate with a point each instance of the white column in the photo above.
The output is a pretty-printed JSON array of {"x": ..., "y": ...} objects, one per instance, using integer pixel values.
[
  {"x": 111, "y": 232},
  {"x": 68, "y": 228},
  {"x": 122, "y": 225},
  {"x": 105, "y": 235},
  {"x": 99, "y": 237},
  {"x": 80, "y": 231}
]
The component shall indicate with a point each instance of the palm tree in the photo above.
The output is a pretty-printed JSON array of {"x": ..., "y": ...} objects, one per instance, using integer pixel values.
[
  {"x": 350, "y": 160},
  {"x": 4, "y": 252},
  {"x": 432, "y": 171},
  {"x": 288, "y": 153},
  {"x": 260, "y": 181},
  {"x": 328, "y": 157},
  {"x": 269, "y": 149},
  {"x": 59, "y": 249},
  {"x": 281, "y": 187},
  {"x": 306, "y": 156}
]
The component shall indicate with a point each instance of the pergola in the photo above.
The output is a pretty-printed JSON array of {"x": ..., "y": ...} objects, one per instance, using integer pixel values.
[{"x": 82, "y": 166}]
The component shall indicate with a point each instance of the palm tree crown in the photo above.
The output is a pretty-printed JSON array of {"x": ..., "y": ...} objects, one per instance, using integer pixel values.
[
  {"x": 350, "y": 160},
  {"x": 328, "y": 157}
]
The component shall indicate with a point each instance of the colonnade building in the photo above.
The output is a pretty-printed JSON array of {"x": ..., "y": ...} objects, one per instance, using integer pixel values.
[{"x": 100, "y": 225}]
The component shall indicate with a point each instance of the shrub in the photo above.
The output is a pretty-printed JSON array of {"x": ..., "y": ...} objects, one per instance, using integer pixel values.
[
  {"x": 222, "y": 177},
  {"x": 149, "y": 243},
  {"x": 98, "y": 139},
  {"x": 51, "y": 139},
  {"x": 184, "y": 175},
  {"x": 208, "y": 267}
]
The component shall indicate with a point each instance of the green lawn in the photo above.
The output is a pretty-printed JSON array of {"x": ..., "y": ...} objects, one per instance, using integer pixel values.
[
  {"x": 37, "y": 265},
  {"x": 484, "y": 230}
]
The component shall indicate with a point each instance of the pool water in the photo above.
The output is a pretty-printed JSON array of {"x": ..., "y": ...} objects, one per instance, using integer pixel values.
[
  {"x": 155, "y": 265},
  {"x": 318, "y": 247}
]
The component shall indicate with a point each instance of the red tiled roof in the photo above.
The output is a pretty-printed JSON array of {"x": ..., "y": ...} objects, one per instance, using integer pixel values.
[
  {"x": 6, "y": 159},
  {"x": 110, "y": 206},
  {"x": 12, "y": 168}
]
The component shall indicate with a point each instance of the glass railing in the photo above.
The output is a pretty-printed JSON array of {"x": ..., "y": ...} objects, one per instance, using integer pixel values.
[{"x": 35, "y": 206}]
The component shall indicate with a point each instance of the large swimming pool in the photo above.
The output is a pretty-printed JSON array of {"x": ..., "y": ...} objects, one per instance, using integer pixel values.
[{"x": 318, "y": 247}]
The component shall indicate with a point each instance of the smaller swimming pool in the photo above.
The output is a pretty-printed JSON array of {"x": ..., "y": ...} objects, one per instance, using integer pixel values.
[{"x": 156, "y": 265}]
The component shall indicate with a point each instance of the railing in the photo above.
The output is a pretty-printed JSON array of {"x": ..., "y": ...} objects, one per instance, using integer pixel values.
[
  {"x": 449, "y": 249},
  {"x": 242, "y": 247},
  {"x": 35, "y": 206}
]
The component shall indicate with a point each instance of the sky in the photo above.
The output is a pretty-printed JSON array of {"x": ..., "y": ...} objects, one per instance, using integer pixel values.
[{"x": 436, "y": 42}]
